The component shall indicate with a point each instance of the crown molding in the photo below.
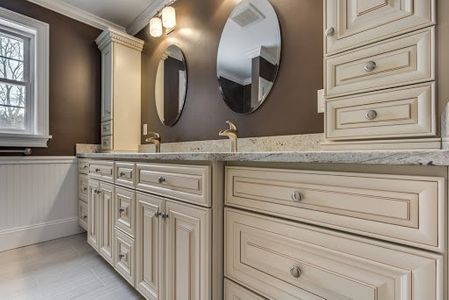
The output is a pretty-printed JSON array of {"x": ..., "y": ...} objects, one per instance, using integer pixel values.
[
  {"x": 78, "y": 14},
  {"x": 110, "y": 35},
  {"x": 144, "y": 18}
]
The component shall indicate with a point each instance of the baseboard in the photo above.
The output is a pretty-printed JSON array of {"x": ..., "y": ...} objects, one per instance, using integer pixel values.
[
  {"x": 37, "y": 233},
  {"x": 399, "y": 144}
]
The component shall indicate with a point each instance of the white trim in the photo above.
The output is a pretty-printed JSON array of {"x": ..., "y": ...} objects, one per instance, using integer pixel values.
[
  {"x": 41, "y": 34},
  {"x": 37, "y": 233},
  {"x": 33, "y": 160},
  {"x": 78, "y": 14},
  {"x": 144, "y": 18}
]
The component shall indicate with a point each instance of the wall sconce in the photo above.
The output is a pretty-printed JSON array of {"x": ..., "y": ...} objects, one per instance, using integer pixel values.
[{"x": 165, "y": 19}]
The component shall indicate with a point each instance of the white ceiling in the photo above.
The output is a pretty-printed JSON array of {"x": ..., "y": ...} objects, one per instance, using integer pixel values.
[{"x": 120, "y": 12}]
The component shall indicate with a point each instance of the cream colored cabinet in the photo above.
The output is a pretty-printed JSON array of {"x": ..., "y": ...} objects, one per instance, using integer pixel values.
[
  {"x": 150, "y": 252},
  {"x": 188, "y": 250},
  {"x": 173, "y": 249},
  {"x": 121, "y": 85},
  {"x": 353, "y": 23},
  {"x": 284, "y": 260},
  {"x": 93, "y": 214},
  {"x": 83, "y": 193},
  {"x": 106, "y": 194},
  {"x": 124, "y": 256},
  {"x": 82, "y": 214},
  {"x": 233, "y": 291}
]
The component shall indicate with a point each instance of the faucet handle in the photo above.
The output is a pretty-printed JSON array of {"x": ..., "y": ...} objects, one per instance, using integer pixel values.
[
  {"x": 231, "y": 126},
  {"x": 154, "y": 135}
]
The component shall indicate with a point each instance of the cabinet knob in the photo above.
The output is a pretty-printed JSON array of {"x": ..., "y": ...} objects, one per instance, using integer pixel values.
[
  {"x": 84, "y": 189},
  {"x": 330, "y": 31},
  {"x": 122, "y": 174},
  {"x": 370, "y": 66},
  {"x": 121, "y": 256},
  {"x": 84, "y": 217},
  {"x": 165, "y": 216},
  {"x": 158, "y": 214},
  {"x": 85, "y": 167},
  {"x": 161, "y": 179},
  {"x": 295, "y": 272},
  {"x": 371, "y": 115},
  {"x": 122, "y": 210},
  {"x": 97, "y": 170},
  {"x": 297, "y": 196}
]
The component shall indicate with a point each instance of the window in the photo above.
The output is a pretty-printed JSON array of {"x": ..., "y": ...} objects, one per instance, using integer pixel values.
[{"x": 23, "y": 81}]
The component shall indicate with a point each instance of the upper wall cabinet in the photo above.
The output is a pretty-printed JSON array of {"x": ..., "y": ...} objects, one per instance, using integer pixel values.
[
  {"x": 121, "y": 86},
  {"x": 352, "y": 23}
]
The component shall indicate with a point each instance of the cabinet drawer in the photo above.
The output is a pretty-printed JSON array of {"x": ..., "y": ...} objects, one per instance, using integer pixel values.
[
  {"x": 404, "y": 60},
  {"x": 404, "y": 209},
  {"x": 124, "y": 257},
  {"x": 125, "y": 174},
  {"x": 106, "y": 128},
  {"x": 83, "y": 187},
  {"x": 125, "y": 210},
  {"x": 404, "y": 112},
  {"x": 284, "y": 260},
  {"x": 82, "y": 214},
  {"x": 102, "y": 170},
  {"x": 359, "y": 22},
  {"x": 233, "y": 291},
  {"x": 186, "y": 183},
  {"x": 106, "y": 143},
  {"x": 83, "y": 166}
]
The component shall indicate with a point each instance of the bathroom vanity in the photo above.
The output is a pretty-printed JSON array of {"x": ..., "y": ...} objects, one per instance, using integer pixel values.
[{"x": 297, "y": 225}]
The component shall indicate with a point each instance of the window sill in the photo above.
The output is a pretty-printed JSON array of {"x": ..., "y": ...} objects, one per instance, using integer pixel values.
[{"x": 17, "y": 140}]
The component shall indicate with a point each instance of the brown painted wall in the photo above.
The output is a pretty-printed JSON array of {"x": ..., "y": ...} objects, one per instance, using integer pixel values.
[
  {"x": 291, "y": 107},
  {"x": 75, "y": 79}
]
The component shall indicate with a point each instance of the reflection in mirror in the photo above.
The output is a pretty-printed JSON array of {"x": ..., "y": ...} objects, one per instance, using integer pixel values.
[
  {"x": 249, "y": 55},
  {"x": 171, "y": 85}
]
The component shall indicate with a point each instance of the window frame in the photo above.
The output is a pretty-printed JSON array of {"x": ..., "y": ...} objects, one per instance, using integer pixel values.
[{"x": 36, "y": 133}]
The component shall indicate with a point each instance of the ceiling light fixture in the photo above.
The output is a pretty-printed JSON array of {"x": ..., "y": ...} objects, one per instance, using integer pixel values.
[{"x": 163, "y": 19}]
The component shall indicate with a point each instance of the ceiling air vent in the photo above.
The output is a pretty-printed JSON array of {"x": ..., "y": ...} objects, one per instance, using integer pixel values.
[{"x": 248, "y": 15}]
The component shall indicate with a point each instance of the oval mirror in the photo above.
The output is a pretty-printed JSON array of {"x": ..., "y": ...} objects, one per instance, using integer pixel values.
[
  {"x": 171, "y": 85},
  {"x": 249, "y": 55}
]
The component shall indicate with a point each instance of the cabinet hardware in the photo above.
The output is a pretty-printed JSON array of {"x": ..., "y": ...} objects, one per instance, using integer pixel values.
[
  {"x": 85, "y": 167},
  {"x": 370, "y": 66},
  {"x": 121, "y": 256},
  {"x": 122, "y": 210},
  {"x": 165, "y": 216},
  {"x": 161, "y": 179},
  {"x": 84, "y": 189},
  {"x": 297, "y": 196},
  {"x": 371, "y": 115},
  {"x": 122, "y": 174},
  {"x": 295, "y": 272},
  {"x": 158, "y": 214},
  {"x": 330, "y": 31},
  {"x": 84, "y": 217},
  {"x": 97, "y": 170}
]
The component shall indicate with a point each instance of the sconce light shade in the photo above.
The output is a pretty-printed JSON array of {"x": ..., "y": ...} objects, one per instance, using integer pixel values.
[
  {"x": 156, "y": 27},
  {"x": 169, "y": 17}
]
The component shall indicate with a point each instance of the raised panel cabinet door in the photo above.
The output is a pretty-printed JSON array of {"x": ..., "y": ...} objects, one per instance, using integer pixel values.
[
  {"x": 353, "y": 23},
  {"x": 93, "y": 213},
  {"x": 106, "y": 83},
  {"x": 82, "y": 214},
  {"x": 106, "y": 212},
  {"x": 124, "y": 256},
  {"x": 188, "y": 252},
  {"x": 233, "y": 291},
  {"x": 150, "y": 246}
]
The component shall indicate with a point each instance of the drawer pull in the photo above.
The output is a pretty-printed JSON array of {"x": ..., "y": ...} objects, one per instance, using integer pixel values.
[
  {"x": 85, "y": 167},
  {"x": 97, "y": 170},
  {"x": 161, "y": 179},
  {"x": 84, "y": 217},
  {"x": 297, "y": 196},
  {"x": 370, "y": 66},
  {"x": 330, "y": 31},
  {"x": 121, "y": 256},
  {"x": 295, "y": 271},
  {"x": 371, "y": 115},
  {"x": 165, "y": 216},
  {"x": 158, "y": 214},
  {"x": 84, "y": 189},
  {"x": 122, "y": 210},
  {"x": 122, "y": 174}
]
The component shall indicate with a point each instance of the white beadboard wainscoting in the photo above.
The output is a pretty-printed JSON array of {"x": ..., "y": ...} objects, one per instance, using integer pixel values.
[{"x": 38, "y": 200}]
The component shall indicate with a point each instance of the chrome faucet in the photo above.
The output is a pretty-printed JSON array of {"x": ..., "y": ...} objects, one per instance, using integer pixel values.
[
  {"x": 231, "y": 133},
  {"x": 154, "y": 138}
]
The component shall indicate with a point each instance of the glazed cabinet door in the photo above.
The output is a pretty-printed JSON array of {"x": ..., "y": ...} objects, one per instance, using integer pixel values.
[
  {"x": 106, "y": 84},
  {"x": 353, "y": 23},
  {"x": 93, "y": 213},
  {"x": 150, "y": 246},
  {"x": 188, "y": 252},
  {"x": 106, "y": 214}
]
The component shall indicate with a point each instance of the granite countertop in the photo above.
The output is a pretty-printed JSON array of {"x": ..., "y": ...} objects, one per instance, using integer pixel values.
[{"x": 378, "y": 157}]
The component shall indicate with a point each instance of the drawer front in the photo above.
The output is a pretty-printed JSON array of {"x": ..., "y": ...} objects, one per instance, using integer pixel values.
[
  {"x": 83, "y": 166},
  {"x": 125, "y": 210},
  {"x": 82, "y": 214},
  {"x": 107, "y": 143},
  {"x": 125, "y": 174},
  {"x": 405, "y": 112},
  {"x": 404, "y": 60},
  {"x": 106, "y": 128},
  {"x": 359, "y": 22},
  {"x": 83, "y": 187},
  {"x": 285, "y": 260},
  {"x": 186, "y": 183},
  {"x": 404, "y": 209},
  {"x": 233, "y": 291},
  {"x": 124, "y": 257},
  {"x": 102, "y": 170}
]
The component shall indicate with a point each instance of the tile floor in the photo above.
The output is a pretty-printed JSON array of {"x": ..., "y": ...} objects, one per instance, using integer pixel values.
[{"x": 62, "y": 269}]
